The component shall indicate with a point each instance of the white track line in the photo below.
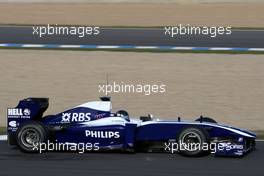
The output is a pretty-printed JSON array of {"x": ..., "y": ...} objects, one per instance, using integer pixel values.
[
  {"x": 220, "y": 49},
  {"x": 182, "y": 48},
  {"x": 70, "y": 46},
  {"x": 256, "y": 49},
  {"x": 107, "y": 46},
  {"x": 3, "y": 137},
  {"x": 146, "y": 47},
  {"x": 3, "y": 44},
  {"x": 32, "y": 46},
  {"x": 129, "y": 47}
]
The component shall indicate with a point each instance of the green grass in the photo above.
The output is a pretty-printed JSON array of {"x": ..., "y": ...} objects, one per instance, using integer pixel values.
[
  {"x": 260, "y": 134},
  {"x": 143, "y": 50},
  {"x": 2, "y": 130}
]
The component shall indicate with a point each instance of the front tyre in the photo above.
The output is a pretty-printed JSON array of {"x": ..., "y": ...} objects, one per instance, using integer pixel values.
[
  {"x": 30, "y": 136},
  {"x": 191, "y": 141}
]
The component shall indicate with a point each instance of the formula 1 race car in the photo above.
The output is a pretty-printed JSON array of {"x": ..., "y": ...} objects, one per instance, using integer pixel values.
[{"x": 94, "y": 123}]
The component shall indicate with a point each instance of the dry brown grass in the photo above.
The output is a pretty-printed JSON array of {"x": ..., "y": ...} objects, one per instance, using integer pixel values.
[
  {"x": 136, "y": 14},
  {"x": 226, "y": 87}
]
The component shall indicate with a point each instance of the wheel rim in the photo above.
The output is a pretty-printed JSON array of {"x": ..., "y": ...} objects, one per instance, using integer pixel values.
[
  {"x": 30, "y": 137},
  {"x": 189, "y": 139}
]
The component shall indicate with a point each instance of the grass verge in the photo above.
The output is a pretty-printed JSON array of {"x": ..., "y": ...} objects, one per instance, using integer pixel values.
[
  {"x": 260, "y": 134},
  {"x": 2, "y": 130}
]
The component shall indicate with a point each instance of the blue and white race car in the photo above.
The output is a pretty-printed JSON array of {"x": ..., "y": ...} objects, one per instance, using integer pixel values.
[{"x": 95, "y": 123}]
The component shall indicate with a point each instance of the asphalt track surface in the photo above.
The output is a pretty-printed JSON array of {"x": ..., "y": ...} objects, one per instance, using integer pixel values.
[
  {"x": 13, "y": 162},
  {"x": 136, "y": 36}
]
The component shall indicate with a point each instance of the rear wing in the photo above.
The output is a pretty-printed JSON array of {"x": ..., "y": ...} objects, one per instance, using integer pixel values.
[{"x": 27, "y": 109}]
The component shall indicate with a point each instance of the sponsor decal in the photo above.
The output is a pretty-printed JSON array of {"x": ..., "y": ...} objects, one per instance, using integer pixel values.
[
  {"x": 18, "y": 113},
  {"x": 75, "y": 117},
  {"x": 27, "y": 112},
  {"x": 229, "y": 146},
  {"x": 15, "y": 112},
  {"x": 102, "y": 134},
  {"x": 12, "y": 124},
  {"x": 99, "y": 116}
]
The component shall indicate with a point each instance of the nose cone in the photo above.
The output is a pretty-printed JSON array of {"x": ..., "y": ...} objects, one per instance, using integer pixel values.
[
  {"x": 245, "y": 133},
  {"x": 251, "y": 133}
]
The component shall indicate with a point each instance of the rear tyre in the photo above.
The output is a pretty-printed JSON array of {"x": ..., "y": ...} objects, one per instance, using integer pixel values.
[
  {"x": 192, "y": 140},
  {"x": 30, "y": 136}
]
